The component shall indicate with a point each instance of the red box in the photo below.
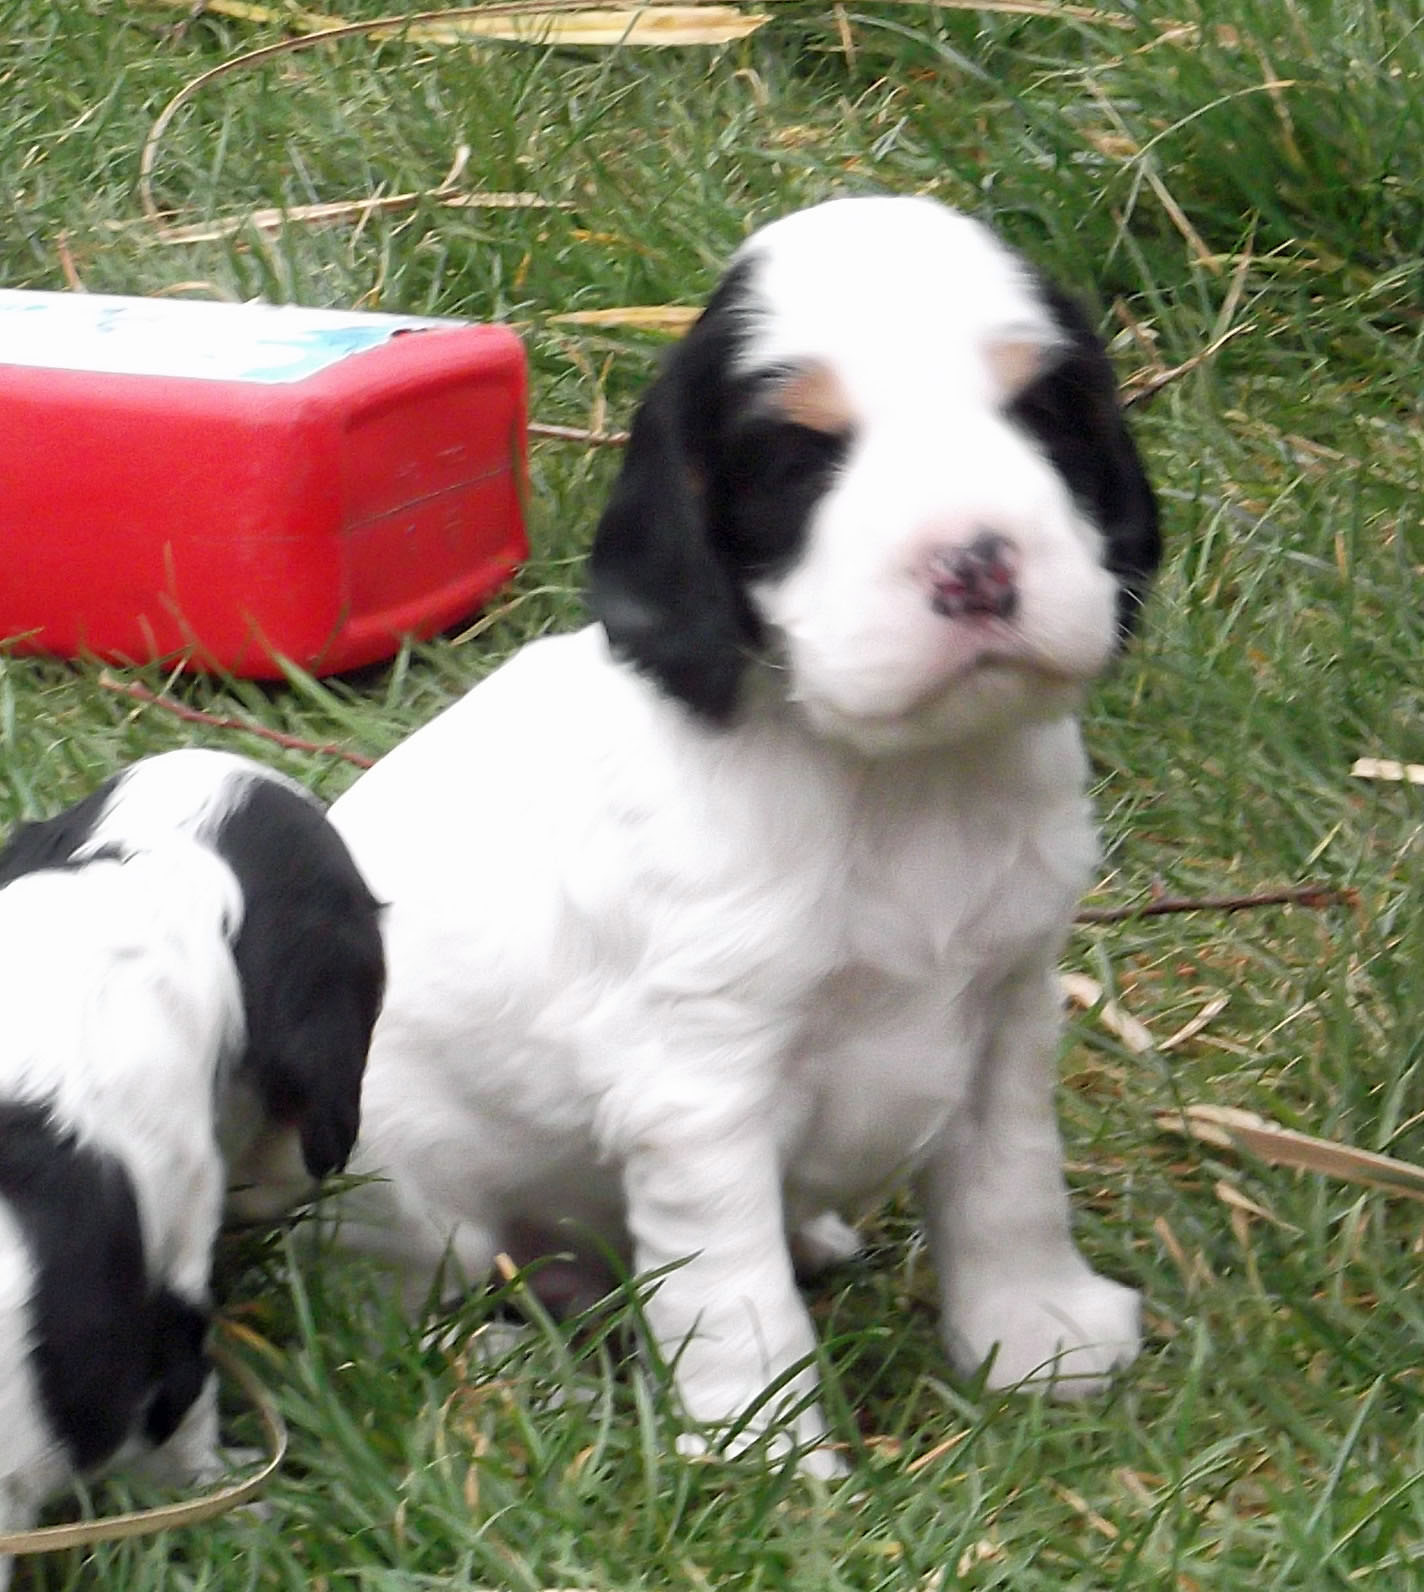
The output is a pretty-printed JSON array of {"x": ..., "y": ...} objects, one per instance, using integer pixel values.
[{"x": 223, "y": 484}]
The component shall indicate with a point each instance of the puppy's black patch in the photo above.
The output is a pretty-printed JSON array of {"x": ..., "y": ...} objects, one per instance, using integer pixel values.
[
  {"x": 768, "y": 473},
  {"x": 52, "y": 842},
  {"x": 1072, "y": 412},
  {"x": 715, "y": 490},
  {"x": 178, "y": 1363},
  {"x": 102, "y": 1344},
  {"x": 311, "y": 966}
]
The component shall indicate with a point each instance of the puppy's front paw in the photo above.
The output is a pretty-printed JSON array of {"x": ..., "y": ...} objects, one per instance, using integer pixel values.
[
  {"x": 815, "y": 1457},
  {"x": 823, "y": 1242},
  {"x": 1066, "y": 1339},
  {"x": 790, "y": 1421},
  {"x": 732, "y": 1415}
]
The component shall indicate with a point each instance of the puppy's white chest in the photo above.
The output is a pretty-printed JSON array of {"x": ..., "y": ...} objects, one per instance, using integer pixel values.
[
  {"x": 895, "y": 1034},
  {"x": 877, "y": 1075}
]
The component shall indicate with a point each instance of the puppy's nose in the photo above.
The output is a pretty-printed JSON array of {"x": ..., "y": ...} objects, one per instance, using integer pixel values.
[{"x": 980, "y": 578}]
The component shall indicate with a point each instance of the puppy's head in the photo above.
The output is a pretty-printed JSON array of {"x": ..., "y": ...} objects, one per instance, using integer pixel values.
[{"x": 887, "y": 473}]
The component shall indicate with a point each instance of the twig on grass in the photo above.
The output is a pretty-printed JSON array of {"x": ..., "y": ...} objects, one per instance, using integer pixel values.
[
  {"x": 72, "y": 279},
  {"x": 274, "y": 218},
  {"x": 1316, "y": 896},
  {"x": 338, "y": 210},
  {"x": 180, "y": 710},
  {"x": 591, "y": 439},
  {"x": 1136, "y": 392}
]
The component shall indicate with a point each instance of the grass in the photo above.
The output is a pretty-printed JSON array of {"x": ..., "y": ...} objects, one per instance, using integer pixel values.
[{"x": 1261, "y": 171}]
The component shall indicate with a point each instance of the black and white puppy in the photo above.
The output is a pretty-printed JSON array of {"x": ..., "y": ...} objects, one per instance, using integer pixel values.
[
  {"x": 189, "y": 962},
  {"x": 711, "y": 921}
]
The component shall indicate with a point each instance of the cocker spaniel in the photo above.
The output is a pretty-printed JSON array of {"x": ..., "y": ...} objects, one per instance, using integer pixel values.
[{"x": 712, "y": 921}]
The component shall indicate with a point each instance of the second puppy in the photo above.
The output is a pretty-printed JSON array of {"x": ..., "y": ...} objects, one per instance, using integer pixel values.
[{"x": 189, "y": 964}]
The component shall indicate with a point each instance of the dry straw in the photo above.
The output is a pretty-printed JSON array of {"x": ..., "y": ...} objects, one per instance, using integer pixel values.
[
  {"x": 570, "y": 23},
  {"x": 1227, "y": 1128},
  {"x": 521, "y": 22}
]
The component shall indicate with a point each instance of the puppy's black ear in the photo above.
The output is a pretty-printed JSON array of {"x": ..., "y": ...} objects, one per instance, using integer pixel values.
[
  {"x": 311, "y": 965},
  {"x": 1072, "y": 410},
  {"x": 52, "y": 842},
  {"x": 660, "y": 583}
]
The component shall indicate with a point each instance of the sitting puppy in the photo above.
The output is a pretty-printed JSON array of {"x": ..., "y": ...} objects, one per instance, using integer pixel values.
[
  {"x": 188, "y": 949},
  {"x": 711, "y": 921}
]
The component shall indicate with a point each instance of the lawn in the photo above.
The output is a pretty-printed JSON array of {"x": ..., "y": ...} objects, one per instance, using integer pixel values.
[{"x": 1192, "y": 171}]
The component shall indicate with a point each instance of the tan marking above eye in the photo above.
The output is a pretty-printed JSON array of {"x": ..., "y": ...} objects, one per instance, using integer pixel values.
[
  {"x": 813, "y": 397},
  {"x": 1014, "y": 363}
]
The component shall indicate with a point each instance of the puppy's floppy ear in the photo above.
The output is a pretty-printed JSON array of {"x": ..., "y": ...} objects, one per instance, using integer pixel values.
[
  {"x": 52, "y": 842},
  {"x": 659, "y": 582},
  {"x": 311, "y": 965},
  {"x": 1071, "y": 408}
]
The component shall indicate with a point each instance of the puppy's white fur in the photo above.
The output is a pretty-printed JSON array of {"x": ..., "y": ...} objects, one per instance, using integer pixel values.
[{"x": 688, "y": 988}]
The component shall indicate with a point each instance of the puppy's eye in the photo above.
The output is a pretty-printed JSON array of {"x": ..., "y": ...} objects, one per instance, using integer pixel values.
[
  {"x": 773, "y": 474},
  {"x": 769, "y": 454}
]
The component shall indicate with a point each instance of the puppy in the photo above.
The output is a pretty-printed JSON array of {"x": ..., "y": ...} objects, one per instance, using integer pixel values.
[
  {"x": 712, "y": 921},
  {"x": 188, "y": 959}
]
